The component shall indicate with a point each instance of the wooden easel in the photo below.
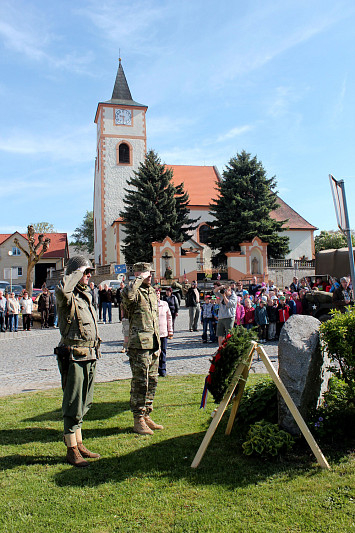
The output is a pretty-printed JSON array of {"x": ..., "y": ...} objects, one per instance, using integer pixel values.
[{"x": 241, "y": 375}]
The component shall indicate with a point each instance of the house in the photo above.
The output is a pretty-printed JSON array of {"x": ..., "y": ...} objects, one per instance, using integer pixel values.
[{"x": 14, "y": 264}]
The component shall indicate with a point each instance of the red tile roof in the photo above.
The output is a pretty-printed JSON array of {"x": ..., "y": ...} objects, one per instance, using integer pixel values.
[
  {"x": 57, "y": 248},
  {"x": 295, "y": 221},
  {"x": 199, "y": 182}
]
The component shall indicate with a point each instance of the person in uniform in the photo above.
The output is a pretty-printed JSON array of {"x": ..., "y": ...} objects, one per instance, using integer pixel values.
[
  {"x": 140, "y": 302},
  {"x": 77, "y": 352}
]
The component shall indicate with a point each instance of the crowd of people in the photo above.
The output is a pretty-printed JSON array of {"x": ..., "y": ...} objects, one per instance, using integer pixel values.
[{"x": 262, "y": 305}]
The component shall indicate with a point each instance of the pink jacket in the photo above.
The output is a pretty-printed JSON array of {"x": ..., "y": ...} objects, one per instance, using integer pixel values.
[
  {"x": 165, "y": 320},
  {"x": 239, "y": 315}
]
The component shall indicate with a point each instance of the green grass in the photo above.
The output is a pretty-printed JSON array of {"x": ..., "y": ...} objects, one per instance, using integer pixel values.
[{"x": 146, "y": 483}]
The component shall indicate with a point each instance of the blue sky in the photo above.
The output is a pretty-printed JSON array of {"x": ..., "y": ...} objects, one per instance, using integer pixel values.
[{"x": 275, "y": 78}]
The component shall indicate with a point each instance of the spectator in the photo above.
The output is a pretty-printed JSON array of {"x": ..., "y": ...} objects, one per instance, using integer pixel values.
[
  {"x": 284, "y": 315},
  {"x": 106, "y": 299},
  {"x": 26, "y": 305},
  {"x": 249, "y": 314},
  {"x": 261, "y": 319},
  {"x": 165, "y": 331},
  {"x": 226, "y": 314},
  {"x": 44, "y": 305},
  {"x": 119, "y": 300},
  {"x": 295, "y": 286},
  {"x": 342, "y": 295},
  {"x": 254, "y": 287},
  {"x": 193, "y": 303},
  {"x": 207, "y": 319},
  {"x": 334, "y": 284},
  {"x": 291, "y": 304},
  {"x": 304, "y": 302},
  {"x": 296, "y": 299},
  {"x": 240, "y": 291},
  {"x": 239, "y": 313},
  {"x": 273, "y": 316},
  {"x": 13, "y": 307},
  {"x": 172, "y": 302},
  {"x": 100, "y": 289},
  {"x": 215, "y": 311},
  {"x": 94, "y": 295},
  {"x": 2, "y": 311}
]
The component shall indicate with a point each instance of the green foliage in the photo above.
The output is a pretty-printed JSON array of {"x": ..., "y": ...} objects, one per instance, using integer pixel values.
[
  {"x": 334, "y": 419},
  {"x": 43, "y": 227},
  {"x": 154, "y": 209},
  {"x": 233, "y": 351},
  {"x": 338, "y": 339},
  {"x": 242, "y": 210},
  {"x": 259, "y": 402},
  {"x": 83, "y": 236},
  {"x": 327, "y": 240},
  {"x": 267, "y": 439}
]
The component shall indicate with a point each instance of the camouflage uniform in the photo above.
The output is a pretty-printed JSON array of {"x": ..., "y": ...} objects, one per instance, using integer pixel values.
[
  {"x": 79, "y": 333},
  {"x": 140, "y": 303}
]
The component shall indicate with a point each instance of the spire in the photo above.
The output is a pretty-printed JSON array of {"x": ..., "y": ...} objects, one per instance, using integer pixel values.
[
  {"x": 121, "y": 93},
  {"x": 121, "y": 90}
]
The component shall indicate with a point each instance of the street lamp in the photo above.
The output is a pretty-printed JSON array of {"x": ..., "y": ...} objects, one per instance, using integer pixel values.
[{"x": 10, "y": 254}]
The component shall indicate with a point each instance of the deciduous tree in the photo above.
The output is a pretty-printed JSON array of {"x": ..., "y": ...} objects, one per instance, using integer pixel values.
[{"x": 33, "y": 254}]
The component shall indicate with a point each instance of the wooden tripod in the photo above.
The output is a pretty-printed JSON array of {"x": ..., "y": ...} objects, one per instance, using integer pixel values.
[{"x": 241, "y": 375}]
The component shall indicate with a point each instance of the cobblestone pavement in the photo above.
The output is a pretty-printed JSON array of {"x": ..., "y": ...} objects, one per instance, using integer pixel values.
[{"x": 27, "y": 362}]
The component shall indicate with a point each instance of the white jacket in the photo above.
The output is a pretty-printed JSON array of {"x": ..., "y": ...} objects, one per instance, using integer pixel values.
[
  {"x": 26, "y": 306},
  {"x": 13, "y": 306},
  {"x": 165, "y": 320}
]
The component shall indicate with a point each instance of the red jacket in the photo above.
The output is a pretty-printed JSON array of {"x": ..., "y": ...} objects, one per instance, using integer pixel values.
[
  {"x": 284, "y": 313},
  {"x": 249, "y": 315}
]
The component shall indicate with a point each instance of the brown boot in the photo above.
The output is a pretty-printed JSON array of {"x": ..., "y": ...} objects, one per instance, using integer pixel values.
[
  {"x": 73, "y": 455},
  {"x": 141, "y": 427},
  {"x": 74, "y": 458},
  {"x": 151, "y": 424},
  {"x": 84, "y": 452}
]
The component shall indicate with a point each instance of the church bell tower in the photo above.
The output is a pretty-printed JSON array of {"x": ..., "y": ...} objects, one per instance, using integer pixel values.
[{"x": 121, "y": 147}]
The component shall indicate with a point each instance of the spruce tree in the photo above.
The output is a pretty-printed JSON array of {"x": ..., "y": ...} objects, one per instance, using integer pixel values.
[
  {"x": 242, "y": 210},
  {"x": 154, "y": 209}
]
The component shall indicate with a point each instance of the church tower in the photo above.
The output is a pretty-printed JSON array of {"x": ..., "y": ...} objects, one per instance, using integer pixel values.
[{"x": 121, "y": 147}]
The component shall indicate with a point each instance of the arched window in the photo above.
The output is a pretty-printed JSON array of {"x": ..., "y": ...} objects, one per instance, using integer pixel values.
[
  {"x": 123, "y": 153},
  {"x": 203, "y": 233}
]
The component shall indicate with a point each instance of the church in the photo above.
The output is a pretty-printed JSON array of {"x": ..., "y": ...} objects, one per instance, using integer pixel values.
[{"x": 121, "y": 147}]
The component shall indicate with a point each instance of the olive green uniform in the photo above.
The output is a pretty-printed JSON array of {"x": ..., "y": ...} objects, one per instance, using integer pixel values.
[
  {"x": 141, "y": 304},
  {"x": 80, "y": 342}
]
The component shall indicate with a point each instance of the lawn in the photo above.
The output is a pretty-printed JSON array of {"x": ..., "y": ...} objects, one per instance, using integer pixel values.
[{"x": 146, "y": 483}]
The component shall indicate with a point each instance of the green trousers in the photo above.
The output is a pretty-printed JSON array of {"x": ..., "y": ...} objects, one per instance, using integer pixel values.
[
  {"x": 78, "y": 393},
  {"x": 144, "y": 367}
]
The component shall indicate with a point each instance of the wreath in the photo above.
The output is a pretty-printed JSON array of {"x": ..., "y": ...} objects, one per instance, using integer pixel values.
[{"x": 235, "y": 348}]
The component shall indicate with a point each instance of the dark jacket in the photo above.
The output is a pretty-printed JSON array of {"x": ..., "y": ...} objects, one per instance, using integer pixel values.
[
  {"x": 272, "y": 313},
  {"x": 44, "y": 301},
  {"x": 191, "y": 300}
]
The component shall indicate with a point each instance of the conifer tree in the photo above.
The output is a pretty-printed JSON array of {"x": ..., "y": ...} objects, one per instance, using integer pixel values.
[
  {"x": 242, "y": 209},
  {"x": 154, "y": 209}
]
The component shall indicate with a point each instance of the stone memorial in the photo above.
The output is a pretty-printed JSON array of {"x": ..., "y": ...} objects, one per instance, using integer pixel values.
[{"x": 302, "y": 368}]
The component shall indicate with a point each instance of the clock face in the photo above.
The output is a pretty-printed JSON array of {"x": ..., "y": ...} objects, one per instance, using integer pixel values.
[{"x": 123, "y": 116}]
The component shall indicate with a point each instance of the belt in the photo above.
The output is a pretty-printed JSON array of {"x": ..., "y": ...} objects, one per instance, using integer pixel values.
[{"x": 73, "y": 342}]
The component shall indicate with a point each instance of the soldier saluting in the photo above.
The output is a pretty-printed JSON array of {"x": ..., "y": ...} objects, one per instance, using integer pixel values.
[
  {"x": 140, "y": 301},
  {"x": 77, "y": 352}
]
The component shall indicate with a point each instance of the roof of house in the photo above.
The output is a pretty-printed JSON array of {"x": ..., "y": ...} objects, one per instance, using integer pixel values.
[
  {"x": 57, "y": 248},
  {"x": 295, "y": 221},
  {"x": 199, "y": 182}
]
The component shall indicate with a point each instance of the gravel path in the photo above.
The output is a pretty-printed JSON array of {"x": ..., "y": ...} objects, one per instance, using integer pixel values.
[{"x": 27, "y": 362}]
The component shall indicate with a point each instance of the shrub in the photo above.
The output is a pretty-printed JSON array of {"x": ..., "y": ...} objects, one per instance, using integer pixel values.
[
  {"x": 267, "y": 439},
  {"x": 334, "y": 419},
  {"x": 259, "y": 402},
  {"x": 338, "y": 339}
]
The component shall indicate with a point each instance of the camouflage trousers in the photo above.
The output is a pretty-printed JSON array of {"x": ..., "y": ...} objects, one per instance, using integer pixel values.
[{"x": 144, "y": 367}]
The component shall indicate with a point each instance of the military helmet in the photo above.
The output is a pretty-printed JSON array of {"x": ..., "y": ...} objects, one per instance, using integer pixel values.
[
  {"x": 76, "y": 262},
  {"x": 143, "y": 267}
]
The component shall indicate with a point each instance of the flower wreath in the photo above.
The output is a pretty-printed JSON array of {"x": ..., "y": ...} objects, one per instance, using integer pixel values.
[{"x": 234, "y": 349}]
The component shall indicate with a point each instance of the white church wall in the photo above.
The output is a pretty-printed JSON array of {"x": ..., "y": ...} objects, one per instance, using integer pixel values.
[
  {"x": 300, "y": 244},
  {"x": 137, "y": 128}
]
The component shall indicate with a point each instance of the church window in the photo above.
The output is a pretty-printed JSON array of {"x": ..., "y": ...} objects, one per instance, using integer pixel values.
[
  {"x": 123, "y": 153},
  {"x": 203, "y": 233}
]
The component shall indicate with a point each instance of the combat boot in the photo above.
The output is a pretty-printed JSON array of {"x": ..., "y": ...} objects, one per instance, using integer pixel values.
[
  {"x": 141, "y": 427},
  {"x": 151, "y": 424},
  {"x": 84, "y": 452},
  {"x": 73, "y": 455}
]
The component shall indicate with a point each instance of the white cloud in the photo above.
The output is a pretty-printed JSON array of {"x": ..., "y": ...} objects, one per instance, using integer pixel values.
[
  {"x": 234, "y": 132},
  {"x": 77, "y": 146}
]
